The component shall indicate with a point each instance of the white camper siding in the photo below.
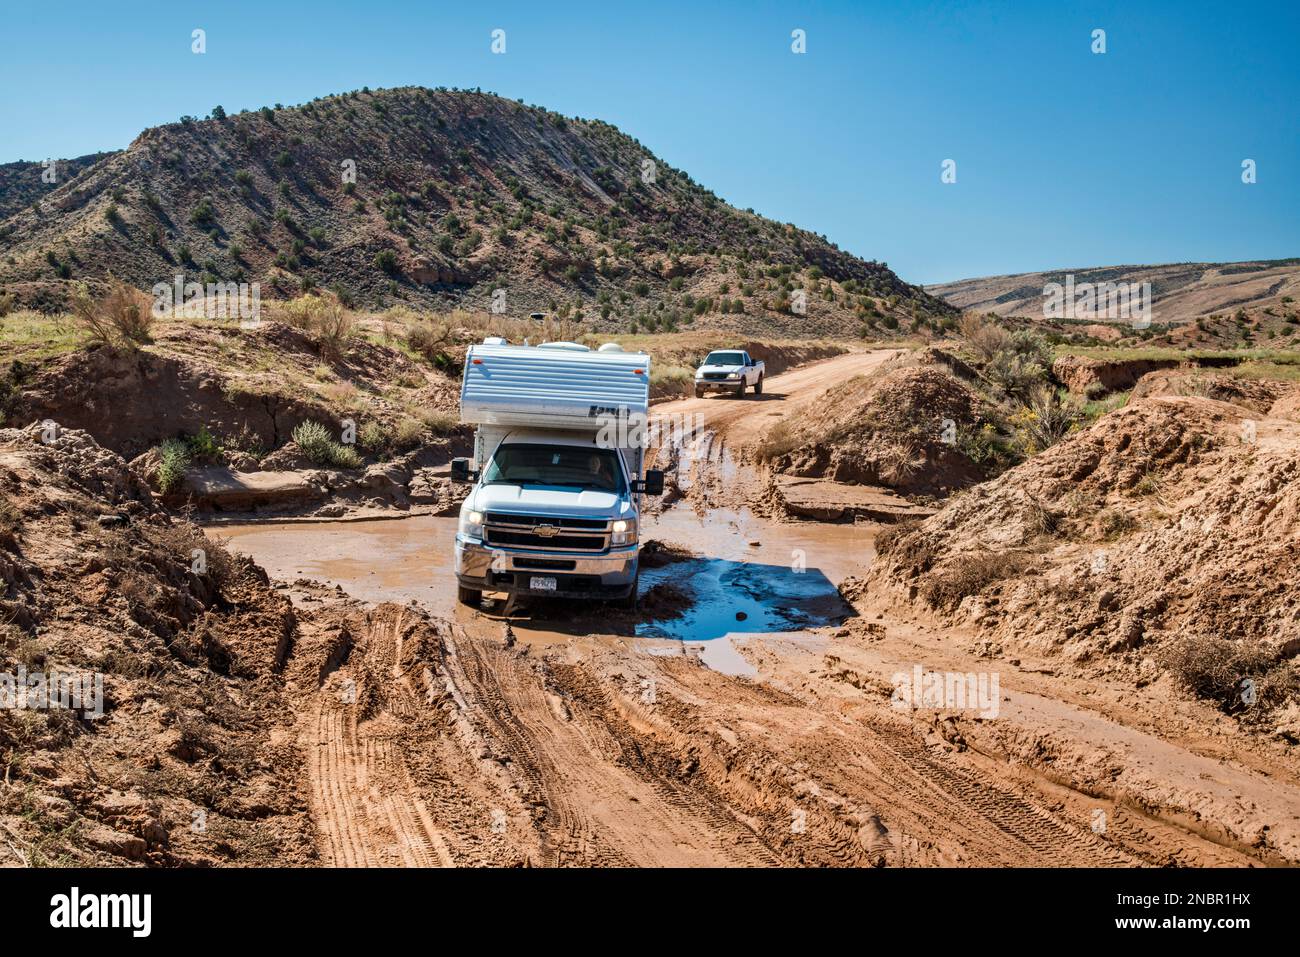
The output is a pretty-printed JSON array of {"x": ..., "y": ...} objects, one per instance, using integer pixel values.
[{"x": 552, "y": 388}]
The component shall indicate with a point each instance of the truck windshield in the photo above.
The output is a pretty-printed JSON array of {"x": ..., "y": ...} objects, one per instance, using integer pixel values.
[
  {"x": 567, "y": 466},
  {"x": 725, "y": 359}
]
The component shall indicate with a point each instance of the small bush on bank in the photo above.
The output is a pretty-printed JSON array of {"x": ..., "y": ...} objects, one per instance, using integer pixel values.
[
  {"x": 316, "y": 443},
  {"x": 123, "y": 314},
  {"x": 970, "y": 574},
  {"x": 174, "y": 460}
]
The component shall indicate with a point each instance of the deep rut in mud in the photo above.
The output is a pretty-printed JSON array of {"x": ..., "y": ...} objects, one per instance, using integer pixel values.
[{"x": 566, "y": 762}]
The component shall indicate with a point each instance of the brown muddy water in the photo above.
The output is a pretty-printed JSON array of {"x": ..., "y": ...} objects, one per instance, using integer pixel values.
[{"x": 752, "y": 576}]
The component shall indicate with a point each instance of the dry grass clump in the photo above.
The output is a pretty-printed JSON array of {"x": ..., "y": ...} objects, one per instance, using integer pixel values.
[
  {"x": 781, "y": 439},
  {"x": 121, "y": 315},
  {"x": 1236, "y": 675},
  {"x": 11, "y": 520},
  {"x": 1044, "y": 419},
  {"x": 890, "y": 539},
  {"x": 985, "y": 339},
  {"x": 431, "y": 339},
  {"x": 970, "y": 574},
  {"x": 181, "y": 541},
  {"x": 324, "y": 318}
]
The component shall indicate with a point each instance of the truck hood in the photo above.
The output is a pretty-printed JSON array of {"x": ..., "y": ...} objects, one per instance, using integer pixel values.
[
  {"x": 549, "y": 501},
  {"x": 720, "y": 369}
]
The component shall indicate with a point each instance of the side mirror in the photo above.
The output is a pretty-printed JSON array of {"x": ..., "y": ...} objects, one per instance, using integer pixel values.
[
  {"x": 461, "y": 472},
  {"x": 654, "y": 482}
]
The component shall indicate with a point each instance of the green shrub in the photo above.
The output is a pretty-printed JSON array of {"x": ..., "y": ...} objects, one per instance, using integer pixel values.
[
  {"x": 174, "y": 460},
  {"x": 203, "y": 213},
  {"x": 1014, "y": 373},
  {"x": 320, "y": 448},
  {"x": 372, "y": 436},
  {"x": 203, "y": 447}
]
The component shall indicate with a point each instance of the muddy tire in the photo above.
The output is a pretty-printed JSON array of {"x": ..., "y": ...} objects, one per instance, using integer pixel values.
[
  {"x": 469, "y": 596},
  {"x": 758, "y": 386},
  {"x": 699, "y": 393},
  {"x": 740, "y": 391},
  {"x": 631, "y": 600}
]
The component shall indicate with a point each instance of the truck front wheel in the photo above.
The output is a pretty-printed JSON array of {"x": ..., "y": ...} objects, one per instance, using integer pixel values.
[
  {"x": 630, "y": 600},
  {"x": 758, "y": 386},
  {"x": 469, "y": 596},
  {"x": 699, "y": 393}
]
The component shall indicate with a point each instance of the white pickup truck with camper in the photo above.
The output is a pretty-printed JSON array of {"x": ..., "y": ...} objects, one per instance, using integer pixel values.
[
  {"x": 729, "y": 370},
  {"x": 558, "y": 471}
]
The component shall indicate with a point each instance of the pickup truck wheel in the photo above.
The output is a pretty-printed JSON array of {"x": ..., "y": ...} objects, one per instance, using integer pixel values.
[
  {"x": 469, "y": 596},
  {"x": 631, "y": 600},
  {"x": 758, "y": 386},
  {"x": 699, "y": 393}
]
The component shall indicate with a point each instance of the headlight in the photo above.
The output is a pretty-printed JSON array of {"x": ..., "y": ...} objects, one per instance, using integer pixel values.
[
  {"x": 733, "y": 375},
  {"x": 471, "y": 524},
  {"x": 623, "y": 533}
]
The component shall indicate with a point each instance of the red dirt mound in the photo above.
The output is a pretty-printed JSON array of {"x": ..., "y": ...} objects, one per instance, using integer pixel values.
[
  {"x": 912, "y": 430},
  {"x": 1159, "y": 540},
  {"x": 192, "y": 761},
  {"x": 1258, "y": 395}
]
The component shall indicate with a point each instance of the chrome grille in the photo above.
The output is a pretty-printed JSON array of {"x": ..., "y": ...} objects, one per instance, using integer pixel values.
[{"x": 549, "y": 534}]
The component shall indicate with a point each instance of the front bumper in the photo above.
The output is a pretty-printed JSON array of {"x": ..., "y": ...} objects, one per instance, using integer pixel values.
[
  {"x": 509, "y": 570},
  {"x": 720, "y": 385}
]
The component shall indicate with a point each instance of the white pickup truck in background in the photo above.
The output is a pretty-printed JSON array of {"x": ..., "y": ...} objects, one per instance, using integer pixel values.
[{"x": 729, "y": 370}]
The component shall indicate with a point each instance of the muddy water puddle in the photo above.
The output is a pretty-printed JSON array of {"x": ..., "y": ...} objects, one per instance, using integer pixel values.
[{"x": 749, "y": 576}]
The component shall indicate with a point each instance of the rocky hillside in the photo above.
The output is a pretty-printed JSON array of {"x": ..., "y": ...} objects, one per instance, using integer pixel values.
[
  {"x": 1180, "y": 292},
  {"x": 21, "y": 183},
  {"x": 437, "y": 198}
]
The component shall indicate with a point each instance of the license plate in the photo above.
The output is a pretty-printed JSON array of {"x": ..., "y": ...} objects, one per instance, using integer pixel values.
[{"x": 538, "y": 583}]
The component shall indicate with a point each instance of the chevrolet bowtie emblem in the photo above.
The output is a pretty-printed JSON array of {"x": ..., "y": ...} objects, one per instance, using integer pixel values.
[{"x": 546, "y": 531}]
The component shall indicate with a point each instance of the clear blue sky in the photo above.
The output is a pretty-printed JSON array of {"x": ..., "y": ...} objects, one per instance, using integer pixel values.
[{"x": 1064, "y": 158}]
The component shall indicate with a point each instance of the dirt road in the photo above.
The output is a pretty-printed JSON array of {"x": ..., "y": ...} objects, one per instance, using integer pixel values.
[
  {"x": 578, "y": 735},
  {"x": 744, "y": 420}
]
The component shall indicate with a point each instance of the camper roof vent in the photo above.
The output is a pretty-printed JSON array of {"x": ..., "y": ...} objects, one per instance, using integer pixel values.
[
  {"x": 610, "y": 347},
  {"x": 571, "y": 346},
  {"x": 495, "y": 341}
]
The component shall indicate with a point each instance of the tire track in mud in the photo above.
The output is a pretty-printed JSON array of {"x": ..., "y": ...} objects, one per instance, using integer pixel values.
[
  {"x": 567, "y": 834},
  {"x": 1045, "y": 839},
  {"x": 363, "y": 798},
  {"x": 862, "y": 792},
  {"x": 364, "y": 802},
  {"x": 594, "y": 810}
]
